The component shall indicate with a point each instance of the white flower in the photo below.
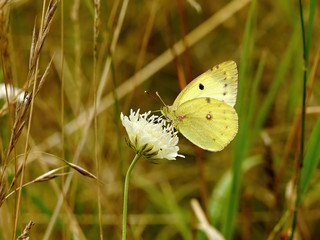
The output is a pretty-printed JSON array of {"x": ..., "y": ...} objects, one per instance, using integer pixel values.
[
  {"x": 12, "y": 92},
  {"x": 151, "y": 137}
]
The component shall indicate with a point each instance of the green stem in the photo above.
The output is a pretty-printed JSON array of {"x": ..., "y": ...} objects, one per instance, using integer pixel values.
[
  {"x": 125, "y": 197},
  {"x": 305, "y": 61}
]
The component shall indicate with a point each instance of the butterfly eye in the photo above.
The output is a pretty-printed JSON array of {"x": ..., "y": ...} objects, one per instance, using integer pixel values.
[
  {"x": 209, "y": 116},
  {"x": 201, "y": 86}
]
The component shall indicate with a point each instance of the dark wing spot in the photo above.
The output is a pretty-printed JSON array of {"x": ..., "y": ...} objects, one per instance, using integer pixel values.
[
  {"x": 201, "y": 87},
  {"x": 225, "y": 93},
  {"x": 224, "y": 73},
  {"x": 227, "y": 126},
  {"x": 214, "y": 139},
  {"x": 209, "y": 117},
  {"x": 225, "y": 85},
  {"x": 208, "y": 100}
]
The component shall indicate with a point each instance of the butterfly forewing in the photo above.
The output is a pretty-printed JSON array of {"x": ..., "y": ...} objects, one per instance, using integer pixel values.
[
  {"x": 208, "y": 123},
  {"x": 219, "y": 82}
]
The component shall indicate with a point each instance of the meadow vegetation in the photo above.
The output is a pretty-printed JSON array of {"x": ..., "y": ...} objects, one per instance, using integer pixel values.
[{"x": 78, "y": 64}]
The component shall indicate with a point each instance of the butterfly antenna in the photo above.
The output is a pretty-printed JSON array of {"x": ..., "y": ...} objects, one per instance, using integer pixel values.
[
  {"x": 161, "y": 99},
  {"x": 152, "y": 96}
]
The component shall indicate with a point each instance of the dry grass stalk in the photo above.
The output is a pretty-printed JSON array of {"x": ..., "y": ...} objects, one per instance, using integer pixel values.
[
  {"x": 17, "y": 174},
  {"x": 25, "y": 234},
  {"x": 49, "y": 175},
  {"x": 74, "y": 226},
  {"x": 2, "y": 193},
  {"x": 195, "y": 5},
  {"x": 44, "y": 77},
  {"x": 32, "y": 75},
  {"x": 52, "y": 174},
  {"x": 4, "y": 45},
  {"x": 5, "y": 53},
  {"x": 143, "y": 49},
  {"x": 204, "y": 225},
  {"x": 77, "y": 49},
  {"x": 22, "y": 109},
  {"x": 82, "y": 171},
  {"x": 37, "y": 45},
  {"x": 3, "y": 4},
  {"x": 95, "y": 38},
  {"x": 100, "y": 89}
]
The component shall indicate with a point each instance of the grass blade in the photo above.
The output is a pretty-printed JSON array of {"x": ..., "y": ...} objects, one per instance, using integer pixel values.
[
  {"x": 312, "y": 9},
  {"x": 279, "y": 78},
  {"x": 239, "y": 143},
  {"x": 311, "y": 161},
  {"x": 219, "y": 195}
]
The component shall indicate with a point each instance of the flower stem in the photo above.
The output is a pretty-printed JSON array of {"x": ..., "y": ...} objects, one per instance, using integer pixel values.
[{"x": 125, "y": 197}]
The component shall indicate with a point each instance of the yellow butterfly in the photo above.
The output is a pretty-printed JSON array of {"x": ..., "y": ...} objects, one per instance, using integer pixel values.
[{"x": 203, "y": 112}]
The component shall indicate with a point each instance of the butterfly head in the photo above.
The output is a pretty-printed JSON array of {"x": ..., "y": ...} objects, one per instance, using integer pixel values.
[
  {"x": 168, "y": 112},
  {"x": 165, "y": 110}
]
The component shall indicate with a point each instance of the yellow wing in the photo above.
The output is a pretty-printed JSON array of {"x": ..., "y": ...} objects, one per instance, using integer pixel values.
[
  {"x": 219, "y": 82},
  {"x": 207, "y": 122}
]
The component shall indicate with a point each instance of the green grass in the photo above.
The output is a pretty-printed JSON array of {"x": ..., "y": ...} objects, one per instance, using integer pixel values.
[
  {"x": 306, "y": 41},
  {"x": 239, "y": 143},
  {"x": 311, "y": 161}
]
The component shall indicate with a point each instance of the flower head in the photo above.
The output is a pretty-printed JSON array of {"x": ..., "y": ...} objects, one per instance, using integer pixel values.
[
  {"x": 151, "y": 137},
  {"x": 12, "y": 92}
]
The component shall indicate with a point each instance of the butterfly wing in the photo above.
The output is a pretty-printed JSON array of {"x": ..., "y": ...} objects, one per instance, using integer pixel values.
[
  {"x": 219, "y": 82},
  {"x": 208, "y": 123}
]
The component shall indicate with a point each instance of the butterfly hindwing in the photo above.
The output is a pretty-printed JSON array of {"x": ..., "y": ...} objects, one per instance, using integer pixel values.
[
  {"x": 208, "y": 123},
  {"x": 219, "y": 82}
]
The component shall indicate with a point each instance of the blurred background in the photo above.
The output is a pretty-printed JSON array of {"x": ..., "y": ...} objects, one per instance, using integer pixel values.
[{"x": 66, "y": 54}]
